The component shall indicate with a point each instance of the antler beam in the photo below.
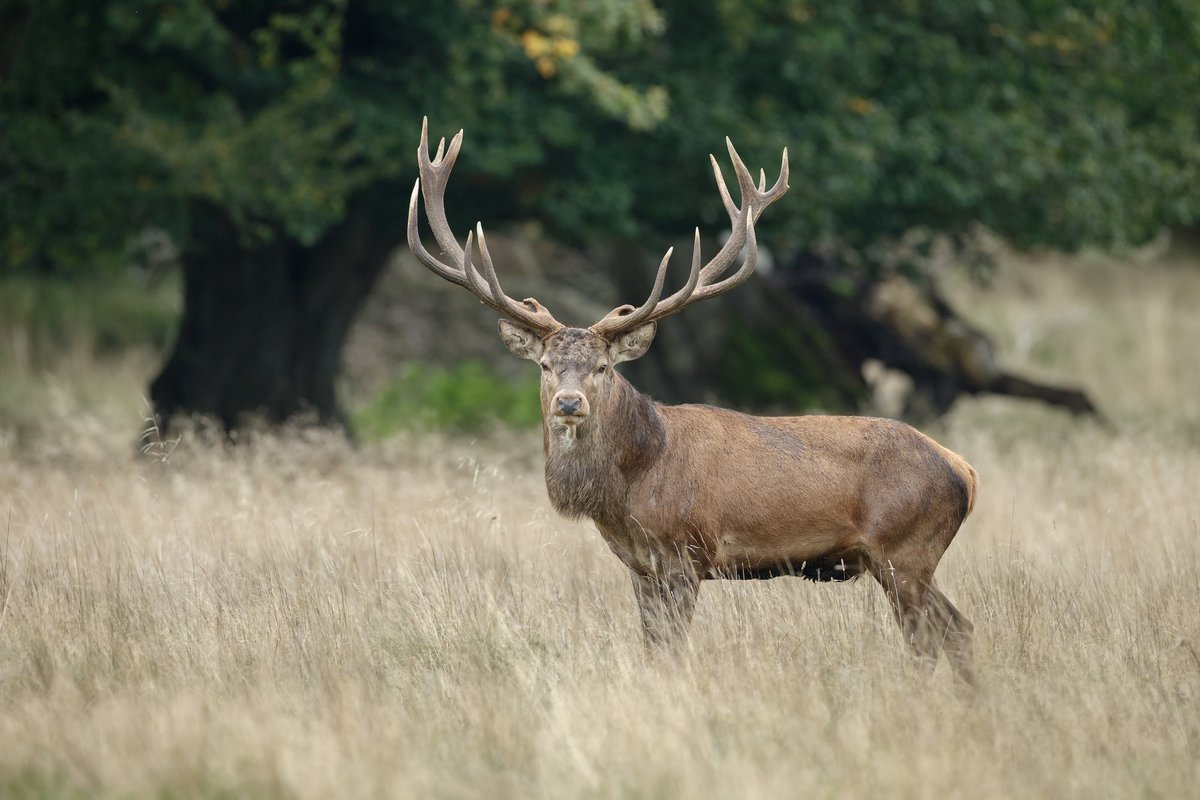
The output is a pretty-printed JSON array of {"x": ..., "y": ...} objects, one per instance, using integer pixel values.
[
  {"x": 704, "y": 282},
  {"x": 461, "y": 270}
]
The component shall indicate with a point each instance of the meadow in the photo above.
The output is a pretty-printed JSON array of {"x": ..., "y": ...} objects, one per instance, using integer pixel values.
[{"x": 296, "y": 617}]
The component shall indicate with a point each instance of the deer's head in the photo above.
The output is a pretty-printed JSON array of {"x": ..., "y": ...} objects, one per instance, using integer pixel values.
[
  {"x": 577, "y": 367},
  {"x": 577, "y": 363}
]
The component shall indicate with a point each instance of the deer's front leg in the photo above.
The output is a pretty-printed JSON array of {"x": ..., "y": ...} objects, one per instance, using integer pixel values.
[{"x": 666, "y": 602}]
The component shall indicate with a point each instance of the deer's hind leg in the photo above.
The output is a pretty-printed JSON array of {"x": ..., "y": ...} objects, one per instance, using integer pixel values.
[
  {"x": 928, "y": 620},
  {"x": 954, "y": 631},
  {"x": 906, "y": 591},
  {"x": 909, "y": 529}
]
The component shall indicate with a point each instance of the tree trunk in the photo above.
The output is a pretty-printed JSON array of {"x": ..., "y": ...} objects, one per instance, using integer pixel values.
[{"x": 263, "y": 324}]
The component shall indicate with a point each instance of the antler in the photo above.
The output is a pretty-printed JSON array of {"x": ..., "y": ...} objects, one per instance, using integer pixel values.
[
  {"x": 704, "y": 282},
  {"x": 461, "y": 270}
]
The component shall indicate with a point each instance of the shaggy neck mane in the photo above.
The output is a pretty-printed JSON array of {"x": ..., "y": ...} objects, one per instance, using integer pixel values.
[{"x": 589, "y": 476}]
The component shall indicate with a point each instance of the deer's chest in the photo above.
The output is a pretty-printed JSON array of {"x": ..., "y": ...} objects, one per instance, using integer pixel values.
[{"x": 643, "y": 551}]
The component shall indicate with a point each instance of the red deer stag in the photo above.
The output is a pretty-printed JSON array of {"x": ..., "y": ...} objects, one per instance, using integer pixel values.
[{"x": 691, "y": 492}]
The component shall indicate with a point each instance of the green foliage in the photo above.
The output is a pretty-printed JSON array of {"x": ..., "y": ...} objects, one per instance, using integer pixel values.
[
  {"x": 117, "y": 115},
  {"x": 1027, "y": 118},
  {"x": 112, "y": 313},
  {"x": 465, "y": 397},
  {"x": 1058, "y": 123}
]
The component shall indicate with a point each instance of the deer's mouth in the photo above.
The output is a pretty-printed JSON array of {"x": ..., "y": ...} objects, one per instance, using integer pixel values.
[
  {"x": 570, "y": 420},
  {"x": 568, "y": 428}
]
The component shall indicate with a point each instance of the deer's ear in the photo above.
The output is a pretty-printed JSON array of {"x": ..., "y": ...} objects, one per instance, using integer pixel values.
[
  {"x": 631, "y": 345},
  {"x": 523, "y": 342}
]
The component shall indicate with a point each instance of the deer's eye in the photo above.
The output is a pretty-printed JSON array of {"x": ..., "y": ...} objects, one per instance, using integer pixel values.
[
  {"x": 545, "y": 367},
  {"x": 600, "y": 370}
]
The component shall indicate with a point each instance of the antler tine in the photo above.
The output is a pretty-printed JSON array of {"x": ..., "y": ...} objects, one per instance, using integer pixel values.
[
  {"x": 704, "y": 282},
  {"x": 418, "y": 248},
  {"x": 435, "y": 172},
  {"x": 738, "y": 278},
  {"x": 625, "y": 317},
  {"x": 726, "y": 200},
  {"x": 529, "y": 311},
  {"x": 693, "y": 278},
  {"x": 778, "y": 190},
  {"x": 474, "y": 282},
  {"x": 737, "y": 216},
  {"x": 745, "y": 180},
  {"x": 489, "y": 271}
]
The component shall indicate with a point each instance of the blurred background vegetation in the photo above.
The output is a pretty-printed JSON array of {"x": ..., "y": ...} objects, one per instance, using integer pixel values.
[{"x": 219, "y": 187}]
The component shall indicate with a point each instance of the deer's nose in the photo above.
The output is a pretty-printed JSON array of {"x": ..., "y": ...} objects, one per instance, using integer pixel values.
[{"x": 568, "y": 404}]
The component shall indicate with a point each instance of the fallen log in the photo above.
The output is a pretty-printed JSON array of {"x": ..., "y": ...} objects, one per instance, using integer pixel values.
[{"x": 907, "y": 324}]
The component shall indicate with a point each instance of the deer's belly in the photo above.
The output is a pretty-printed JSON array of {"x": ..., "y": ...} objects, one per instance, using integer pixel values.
[
  {"x": 736, "y": 551},
  {"x": 739, "y": 551}
]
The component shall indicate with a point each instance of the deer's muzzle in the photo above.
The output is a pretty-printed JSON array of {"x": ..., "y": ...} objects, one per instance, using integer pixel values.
[{"x": 570, "y": 407}]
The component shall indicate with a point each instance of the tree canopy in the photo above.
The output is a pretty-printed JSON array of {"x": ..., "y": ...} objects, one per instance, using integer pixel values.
[{"x": 1052, "y": 123}]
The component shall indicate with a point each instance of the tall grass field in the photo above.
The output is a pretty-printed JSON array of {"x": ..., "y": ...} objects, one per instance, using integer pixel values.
[{"x": 296, "y": 617}]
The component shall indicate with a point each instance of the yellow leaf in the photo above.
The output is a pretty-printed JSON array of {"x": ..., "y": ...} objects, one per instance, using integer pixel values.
[
  {"x": 534, "y": 44},
  {"x": 860, "y": 105},
  {"x": 565, "y": 48}
]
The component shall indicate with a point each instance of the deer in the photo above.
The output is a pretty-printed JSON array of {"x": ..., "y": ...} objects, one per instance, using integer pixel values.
[{"x": 687, "y": 493}]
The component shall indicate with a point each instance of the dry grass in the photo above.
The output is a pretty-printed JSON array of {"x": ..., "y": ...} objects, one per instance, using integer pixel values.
[{"x": 299, "y": 619}]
